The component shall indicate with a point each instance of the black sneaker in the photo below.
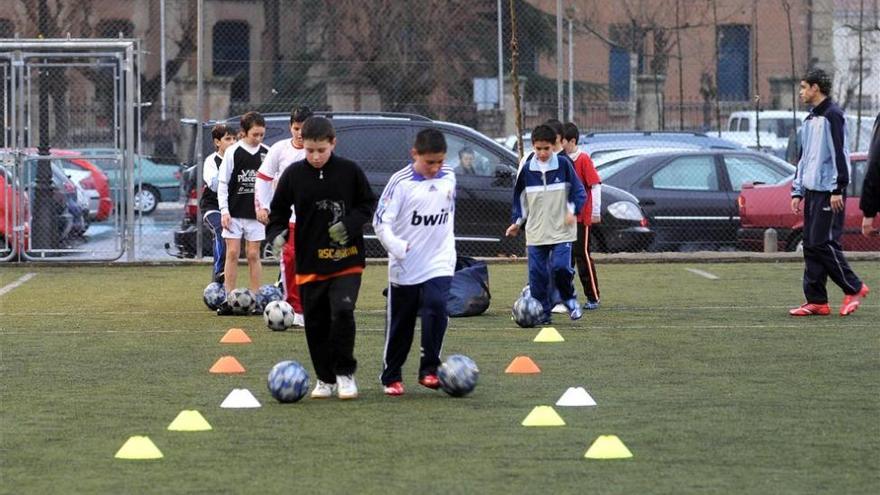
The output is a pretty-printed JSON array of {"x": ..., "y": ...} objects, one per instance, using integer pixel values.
[
  {"x": 225, "y": 309},
  {"x": 257, "y": 311},
  {"x": 220, "y": 278}
]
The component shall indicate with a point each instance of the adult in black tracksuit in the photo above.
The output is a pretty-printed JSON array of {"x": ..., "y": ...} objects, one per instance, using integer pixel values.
[
  {"x": 870, "y": 200},
  {"x": 333, "y": 201}
]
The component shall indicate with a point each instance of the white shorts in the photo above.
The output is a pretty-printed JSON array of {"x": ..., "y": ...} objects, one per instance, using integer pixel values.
[{"x": 251, "y": 229}]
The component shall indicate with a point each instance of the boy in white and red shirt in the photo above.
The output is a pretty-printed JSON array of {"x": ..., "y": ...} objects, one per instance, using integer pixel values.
[
  {"x": 280, "y": 156},
  {"x": 589, "y": 215}
]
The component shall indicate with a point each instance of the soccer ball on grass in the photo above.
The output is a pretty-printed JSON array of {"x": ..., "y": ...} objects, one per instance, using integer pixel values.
[
  {"x": 214, "y": 295},
  {"x": 527, "y": 311},
  {"x": 458, "y": 375},
  {"x": 288, "y": 381},
  {"x": 278, "y": 316},
  {"x": 242, "y": 301}
]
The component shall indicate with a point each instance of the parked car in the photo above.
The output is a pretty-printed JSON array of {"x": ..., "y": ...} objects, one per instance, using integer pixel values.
[
  {"x": 763, "y": 206},
  {"x": 14, "y": 205},
  {"x": 66, "y": 203},
  {"x": 159, "y": 182},
  {"x": 92, "y": 179},
  {"x": 600, "y": 143},
  {"x": 380, "y": 144},
  {"x": 690, "y": 197}
]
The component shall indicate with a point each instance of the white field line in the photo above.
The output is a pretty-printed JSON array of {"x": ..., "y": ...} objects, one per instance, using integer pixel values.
[
  {"x": 22, "y": 279},
  {"x": 702, "y": 273},
  {"x": 382, "y": 329}
]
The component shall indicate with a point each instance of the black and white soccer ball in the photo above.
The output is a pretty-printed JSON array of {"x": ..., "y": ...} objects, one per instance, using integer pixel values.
[
  {"x": 267, "y": 294},
  {"x": 242, "y": 301},
  {"x": 458, "y": 375},
  {"x": 278, "y": 316},
  {"x": 288, "y": 381},
  {"x": 214, "y": 295},
  {"x": 527, "y": 311}
]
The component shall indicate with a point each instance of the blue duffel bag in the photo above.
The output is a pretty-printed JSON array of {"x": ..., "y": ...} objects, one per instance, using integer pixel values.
[{"x": 469, "y": 292}]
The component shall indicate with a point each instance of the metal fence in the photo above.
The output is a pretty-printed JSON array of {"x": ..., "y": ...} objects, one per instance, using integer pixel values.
[{"x": 723, "y": 68}]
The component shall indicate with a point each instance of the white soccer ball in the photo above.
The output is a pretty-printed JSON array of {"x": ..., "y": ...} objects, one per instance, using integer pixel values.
[
  {"x": 278, "y": 316},
  {"x": 288, "y": 381},
  {"x": 242, "y": 301}
]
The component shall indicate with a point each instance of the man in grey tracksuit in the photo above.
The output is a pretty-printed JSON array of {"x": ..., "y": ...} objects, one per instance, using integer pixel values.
[{"x": 820, "y": 187}]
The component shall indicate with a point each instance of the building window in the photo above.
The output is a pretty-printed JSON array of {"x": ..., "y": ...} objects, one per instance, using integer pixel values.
[
  {"x": 7, "y": 30},
  {"x": 111, "y": 28},
  {"x": 618, "y": 74},
  {"x": 231, "y": 56},
  {"x": 733, "y": 62}
]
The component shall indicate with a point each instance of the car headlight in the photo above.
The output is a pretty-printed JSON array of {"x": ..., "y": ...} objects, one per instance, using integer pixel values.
[{"x": 625, "y": 210}]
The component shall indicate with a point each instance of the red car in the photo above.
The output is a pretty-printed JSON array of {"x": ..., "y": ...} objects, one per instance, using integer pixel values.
[
  {"x": 762, "y": 206},
  {"x": 96, "y": 181},
  {"x": 13, "y": 201}
]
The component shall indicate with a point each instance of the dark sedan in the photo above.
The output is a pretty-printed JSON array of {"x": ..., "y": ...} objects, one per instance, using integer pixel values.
[{"x": 690, "y": 196}]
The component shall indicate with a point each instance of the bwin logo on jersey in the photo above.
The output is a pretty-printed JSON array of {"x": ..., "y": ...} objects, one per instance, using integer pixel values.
[{"x": 428, "y": 220}]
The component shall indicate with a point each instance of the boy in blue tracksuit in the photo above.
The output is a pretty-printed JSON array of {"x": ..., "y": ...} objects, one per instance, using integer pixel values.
[
  {"x": 819, "y": 186},
  {"x": 546, "y": 198}
]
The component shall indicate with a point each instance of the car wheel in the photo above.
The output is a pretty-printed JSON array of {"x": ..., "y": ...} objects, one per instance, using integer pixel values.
[
  {"x": 146, "y": 200},
  {"x": 796, "y": 243}
]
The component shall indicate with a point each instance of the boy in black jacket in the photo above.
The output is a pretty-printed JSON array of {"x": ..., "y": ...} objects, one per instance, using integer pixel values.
[{"x": 333, "y": 201}]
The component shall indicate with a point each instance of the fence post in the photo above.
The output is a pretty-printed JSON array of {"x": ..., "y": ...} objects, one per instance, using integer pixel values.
[{"x": 771, "y": 241}]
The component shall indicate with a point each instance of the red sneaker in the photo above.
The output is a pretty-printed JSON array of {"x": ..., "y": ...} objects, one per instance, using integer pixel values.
[
  {"x": 394, "y": 389},
  {"x": 810, "y": 309},
  {"x": 851, "y": 302},
  {"x": 430, "y": 381}
]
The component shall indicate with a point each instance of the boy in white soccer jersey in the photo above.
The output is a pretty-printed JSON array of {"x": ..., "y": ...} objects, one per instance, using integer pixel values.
[
  {"x": 414, "y": 221},
  {"x": 235, "y": 194},
  {"x": 280, "y": 156}
]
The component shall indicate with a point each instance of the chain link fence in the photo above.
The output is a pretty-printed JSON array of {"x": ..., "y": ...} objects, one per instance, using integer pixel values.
[{"x": 673, "y": 73}]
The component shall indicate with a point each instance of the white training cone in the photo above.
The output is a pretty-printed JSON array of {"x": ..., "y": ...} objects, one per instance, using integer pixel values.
[
  {"x": 574, "y": 397},
  {"x": 240, "y": 398}
]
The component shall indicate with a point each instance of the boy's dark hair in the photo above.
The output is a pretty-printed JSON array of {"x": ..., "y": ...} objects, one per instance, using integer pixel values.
[
  {"x": 820, "y": 78},
  {"x": 318, "y": 129},
  {"x": 570, "y": 131},
  {"x": 300, "y": 114},
  {"x": 555, "y": 125},
  {"x": 430, "y": 141},
  {"x": 252, "y": 119},
  {"x": 220, "y": 130},
  {"x": 465, "y": 151},
  {"x": 544, "y": 133}
]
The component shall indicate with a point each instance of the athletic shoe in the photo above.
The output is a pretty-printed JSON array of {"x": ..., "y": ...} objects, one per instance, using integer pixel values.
[
  {"x": 323, "y": 390},
  {"x": 220, "y": 278},
  {"x": 546, "y": 321},
  {"x": 225, "y": 309},
  {"x": 299, "y": 320},
  {"x": 810, "y": 309},
  {"x": 394, "y": 389},
  {"x": 346, "y": 388},
  {"x": 257, "y": 311},
  {"x": 431, "y": 381},
  {"x": 560, "y": 308},
  {"x": 851, "y": 302},
  {"x": 591, "y": 305},
  {"x": 574, "y": 309}
]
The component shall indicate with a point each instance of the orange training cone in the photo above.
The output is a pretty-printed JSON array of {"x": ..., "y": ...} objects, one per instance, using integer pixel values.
[
  {"x": 522, "y": 364},
  {"x": 227, "y": 364},
  {"x": 235, "y": 336}
]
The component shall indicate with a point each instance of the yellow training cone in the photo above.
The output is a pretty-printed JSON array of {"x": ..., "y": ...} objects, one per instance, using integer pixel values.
[
  {"x": 138, "y": 448},
  {"x": 608, "y": 447},
  {"x": 543, "y": 416},
  {"x": 189, "y": 421},
  {"x": 548, "y": 334}
]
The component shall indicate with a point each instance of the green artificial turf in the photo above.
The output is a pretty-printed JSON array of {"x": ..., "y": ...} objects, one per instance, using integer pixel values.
[{"x": 708, "y": 382}]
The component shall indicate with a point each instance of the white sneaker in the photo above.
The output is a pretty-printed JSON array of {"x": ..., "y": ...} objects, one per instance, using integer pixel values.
[
  {"x": 559, "y": 308},
  {"x": 346, "y": 387},
  {"x": 299, "y": 320},
  {"x": 323, "y": 390}
]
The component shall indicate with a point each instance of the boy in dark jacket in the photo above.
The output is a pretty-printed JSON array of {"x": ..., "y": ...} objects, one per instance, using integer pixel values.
[
  {"x": 870, "y": 200},
  {"x": 333, "y": 201}
]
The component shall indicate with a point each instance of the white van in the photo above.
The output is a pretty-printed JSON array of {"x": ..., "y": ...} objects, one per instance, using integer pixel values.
[{"x": 779, "y": 122}]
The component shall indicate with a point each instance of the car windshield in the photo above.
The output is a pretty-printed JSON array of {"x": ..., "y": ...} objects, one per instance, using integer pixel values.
[{"x": 608, "y": 169}]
